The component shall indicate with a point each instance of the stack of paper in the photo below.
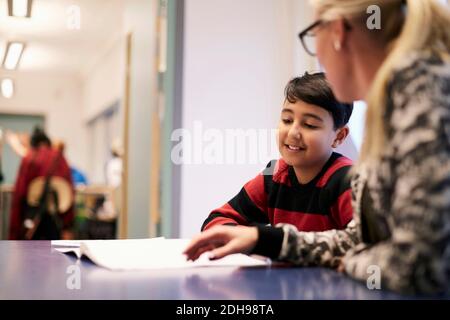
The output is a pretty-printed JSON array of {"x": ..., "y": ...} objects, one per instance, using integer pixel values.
[{"x": 157, "y": 253}]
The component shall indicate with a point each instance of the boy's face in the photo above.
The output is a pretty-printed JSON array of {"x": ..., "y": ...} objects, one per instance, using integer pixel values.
[{"x": 306, "y": 135}]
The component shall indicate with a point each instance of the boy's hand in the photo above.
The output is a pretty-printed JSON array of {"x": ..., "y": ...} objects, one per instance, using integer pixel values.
[
  {"x": 67, "y": 235},
  {"x": 222, "y": 241}
]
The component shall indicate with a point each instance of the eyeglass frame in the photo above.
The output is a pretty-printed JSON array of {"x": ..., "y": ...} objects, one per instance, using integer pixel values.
[{"x": 313, "y": 25}]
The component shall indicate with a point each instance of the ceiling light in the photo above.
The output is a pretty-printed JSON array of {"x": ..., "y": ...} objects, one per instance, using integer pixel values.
[
  {"x": 14, "y": 51},
  {"x": 19, "y": 8},
  {"x": 7, "y": 88}
]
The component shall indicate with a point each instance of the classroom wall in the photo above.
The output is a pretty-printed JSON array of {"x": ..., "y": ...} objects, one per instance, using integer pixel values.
[
  {"x": 103, "y": 80},
  {"x": 103, "y": 88},
  {"x": 58, "y": 97}
]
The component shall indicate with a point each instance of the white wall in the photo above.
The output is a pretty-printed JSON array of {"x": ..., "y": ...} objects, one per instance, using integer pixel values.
[
  {"x": 103, "y": 80},
  {"x": 58, "y": 97},
  {"x": 103, "y": 86},
  {"x": 239, "y": 55},
  {"x": 302, "y": 16}
]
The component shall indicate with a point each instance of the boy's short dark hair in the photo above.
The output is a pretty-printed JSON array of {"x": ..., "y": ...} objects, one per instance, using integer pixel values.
[
  {"x": 39, "y": 137},
  {"x": 315, "y": 89}
]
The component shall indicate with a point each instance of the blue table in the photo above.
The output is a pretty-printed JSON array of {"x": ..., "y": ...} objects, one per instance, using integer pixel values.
[{"x": 33, "y": 270}]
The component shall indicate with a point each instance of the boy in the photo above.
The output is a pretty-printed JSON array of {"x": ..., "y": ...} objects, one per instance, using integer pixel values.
[{"x": 308, "y": 187}]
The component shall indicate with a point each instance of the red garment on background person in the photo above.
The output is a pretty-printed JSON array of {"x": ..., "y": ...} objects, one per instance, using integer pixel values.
[{"x": 37, "y": 163}]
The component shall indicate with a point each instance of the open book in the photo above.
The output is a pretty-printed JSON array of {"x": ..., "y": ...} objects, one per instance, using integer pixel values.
[{"x": 141, "y": 254}]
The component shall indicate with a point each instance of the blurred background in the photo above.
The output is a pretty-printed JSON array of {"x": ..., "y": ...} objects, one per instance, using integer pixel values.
[{"x": 122, "y": 85}]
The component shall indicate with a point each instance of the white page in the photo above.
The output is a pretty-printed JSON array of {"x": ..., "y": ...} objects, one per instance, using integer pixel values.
[
  {"x": 74, "y": 250},
  {"x": 73, "y": 246},
  {"x": 162, "y": 254},
  {"x": 77, "y": 243}
]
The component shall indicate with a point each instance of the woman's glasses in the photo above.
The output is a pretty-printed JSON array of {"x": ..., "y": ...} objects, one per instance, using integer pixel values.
[{"x": 308, "y": 36}]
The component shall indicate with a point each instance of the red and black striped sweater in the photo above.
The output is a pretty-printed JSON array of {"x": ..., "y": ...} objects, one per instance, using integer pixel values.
[{"x": 275, "y": 196}]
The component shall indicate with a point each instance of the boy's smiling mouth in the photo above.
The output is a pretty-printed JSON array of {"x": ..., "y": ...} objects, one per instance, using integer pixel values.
[{"x": 294, "y": 148}]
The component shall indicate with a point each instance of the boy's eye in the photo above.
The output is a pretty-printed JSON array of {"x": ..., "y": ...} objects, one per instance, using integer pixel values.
[
  {"x": 310, "y": 126},
  {"x": 286, "y": 121}
]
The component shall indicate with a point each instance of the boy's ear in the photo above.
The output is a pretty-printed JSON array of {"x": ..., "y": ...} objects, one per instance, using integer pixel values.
[{"x": 341, "y": 135}]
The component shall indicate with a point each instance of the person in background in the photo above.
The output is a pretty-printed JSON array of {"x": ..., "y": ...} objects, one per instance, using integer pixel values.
[
  {"x": 78, "y": 177},
  {"x": 114, "y": 165},
  {"x": 19, "y": 143},
  {"x": 39, "y": 161}
]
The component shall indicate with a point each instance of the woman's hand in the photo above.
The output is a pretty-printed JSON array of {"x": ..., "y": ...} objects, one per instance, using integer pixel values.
[
  {"x": 341, "y": 267},
  {"x": 222, "y": 241}
]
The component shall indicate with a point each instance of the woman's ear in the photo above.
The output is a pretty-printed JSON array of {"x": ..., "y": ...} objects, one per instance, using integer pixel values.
[
  {"x": 341, "y": 135},
  {"x": 338, "y": 34}
]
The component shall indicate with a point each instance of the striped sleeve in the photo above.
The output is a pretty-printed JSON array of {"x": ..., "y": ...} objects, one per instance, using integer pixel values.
[
  {"x": 340, "y": 192},
  {"x": 248, "y": 207}
]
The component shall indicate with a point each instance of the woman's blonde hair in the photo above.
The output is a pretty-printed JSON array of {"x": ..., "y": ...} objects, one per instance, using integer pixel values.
[{"x": 424, "y": 27}]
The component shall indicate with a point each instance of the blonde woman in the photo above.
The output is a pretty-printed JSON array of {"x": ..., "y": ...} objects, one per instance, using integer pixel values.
[{"x": 401, "y": 185}]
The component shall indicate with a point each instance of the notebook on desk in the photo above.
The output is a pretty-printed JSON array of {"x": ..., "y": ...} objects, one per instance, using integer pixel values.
[{"x": 143, "y": 254}]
